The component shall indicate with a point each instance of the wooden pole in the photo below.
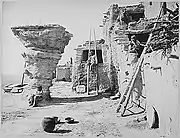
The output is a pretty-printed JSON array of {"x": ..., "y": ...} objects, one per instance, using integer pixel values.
[
  {"x": 96, "y": 63},
  {"x": 127, "y": 97},
  {"x": 88, "y": 64}
]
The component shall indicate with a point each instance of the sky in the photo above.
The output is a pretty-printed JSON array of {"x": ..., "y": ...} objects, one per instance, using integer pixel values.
[{"x": 77, "y": 16}]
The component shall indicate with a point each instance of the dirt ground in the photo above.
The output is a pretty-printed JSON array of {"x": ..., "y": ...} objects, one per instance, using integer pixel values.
[{"x": 94, "y": 117}]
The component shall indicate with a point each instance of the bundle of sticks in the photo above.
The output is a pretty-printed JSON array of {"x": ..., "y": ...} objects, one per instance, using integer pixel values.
[{"x": 167, "y": 36}]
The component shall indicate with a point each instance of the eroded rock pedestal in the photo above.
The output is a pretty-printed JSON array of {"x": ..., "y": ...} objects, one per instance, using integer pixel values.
[{"x": 45, "y": 45}]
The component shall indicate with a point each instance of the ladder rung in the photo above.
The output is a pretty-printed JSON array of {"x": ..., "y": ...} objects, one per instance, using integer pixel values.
[
  {"x": 130, "y": 111},
  {"x": 143, "y": 96}
]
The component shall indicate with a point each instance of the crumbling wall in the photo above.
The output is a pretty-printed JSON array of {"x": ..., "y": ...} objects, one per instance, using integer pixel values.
[
  {"x": 44, "y": 47},
  {"x": 77, "y": 63},
  {"x": 115, "y": 25},
  {"x": 80, "y": 67},
  {"x": 161, "y": 69}
]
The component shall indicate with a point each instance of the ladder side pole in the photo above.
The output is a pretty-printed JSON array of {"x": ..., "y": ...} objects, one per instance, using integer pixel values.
[
  {"x": 96, "y": 62},
  {"x": 88, "y": 64}
]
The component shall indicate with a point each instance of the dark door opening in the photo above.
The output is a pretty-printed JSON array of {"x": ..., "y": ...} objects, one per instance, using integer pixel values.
[
  {"x": 142, "y": 38},
  {"x": 131, "y": 17},
  {"x": 85, "y": 55},
  {"x": 136, "y": 16}
]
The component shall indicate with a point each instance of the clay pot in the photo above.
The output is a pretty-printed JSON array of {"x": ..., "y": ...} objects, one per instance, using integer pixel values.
[
  {"x": 69, "y": 119},
  {"x": 56, "y": 119},
  {"x": 48, "y": 124}
]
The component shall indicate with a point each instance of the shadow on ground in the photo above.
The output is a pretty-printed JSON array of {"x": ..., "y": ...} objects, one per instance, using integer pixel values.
[
  {"x": 73, "y": 122},
  {"x": 62, "y": 131},
  {"x": 60, "y": 101}
]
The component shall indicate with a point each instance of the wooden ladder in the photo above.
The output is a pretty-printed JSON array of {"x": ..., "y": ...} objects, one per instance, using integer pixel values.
[
  {"x": 124, "y": 99},
  {"x": 96, "y": 67}
]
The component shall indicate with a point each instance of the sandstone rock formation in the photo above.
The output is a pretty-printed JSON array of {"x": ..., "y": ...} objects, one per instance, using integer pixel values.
[{"x": 45, "y": 45}]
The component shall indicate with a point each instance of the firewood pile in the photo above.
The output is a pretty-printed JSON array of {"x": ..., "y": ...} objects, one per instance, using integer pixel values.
[{"x": 166, "y": 35}]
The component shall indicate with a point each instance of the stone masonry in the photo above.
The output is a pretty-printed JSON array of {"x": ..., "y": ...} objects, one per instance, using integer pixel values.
[
  {"x": 160, "y": 63},
  {"x": 80, "y": 67},
  {"x": 115, "y": 26}
]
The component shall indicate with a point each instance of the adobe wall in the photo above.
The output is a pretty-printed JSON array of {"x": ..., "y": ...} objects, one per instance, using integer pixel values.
[
  {"x": 161, "y": 79},
  {"x": 115, "y": 33},
  {"x": 152, "y": 8},
  {"x": 63, "y": 73}
]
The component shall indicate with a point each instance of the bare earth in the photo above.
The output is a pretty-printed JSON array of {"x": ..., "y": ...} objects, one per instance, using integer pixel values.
[{"x": 94, "y": 117}]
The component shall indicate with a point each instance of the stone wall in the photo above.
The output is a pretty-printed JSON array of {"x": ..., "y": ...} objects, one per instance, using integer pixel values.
[
  {"x": 160, "y": 71},
  {"x": 115, "y": 26},
  {"x": 44, "y": 47},
  {"x": 80, "y": 68}
]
